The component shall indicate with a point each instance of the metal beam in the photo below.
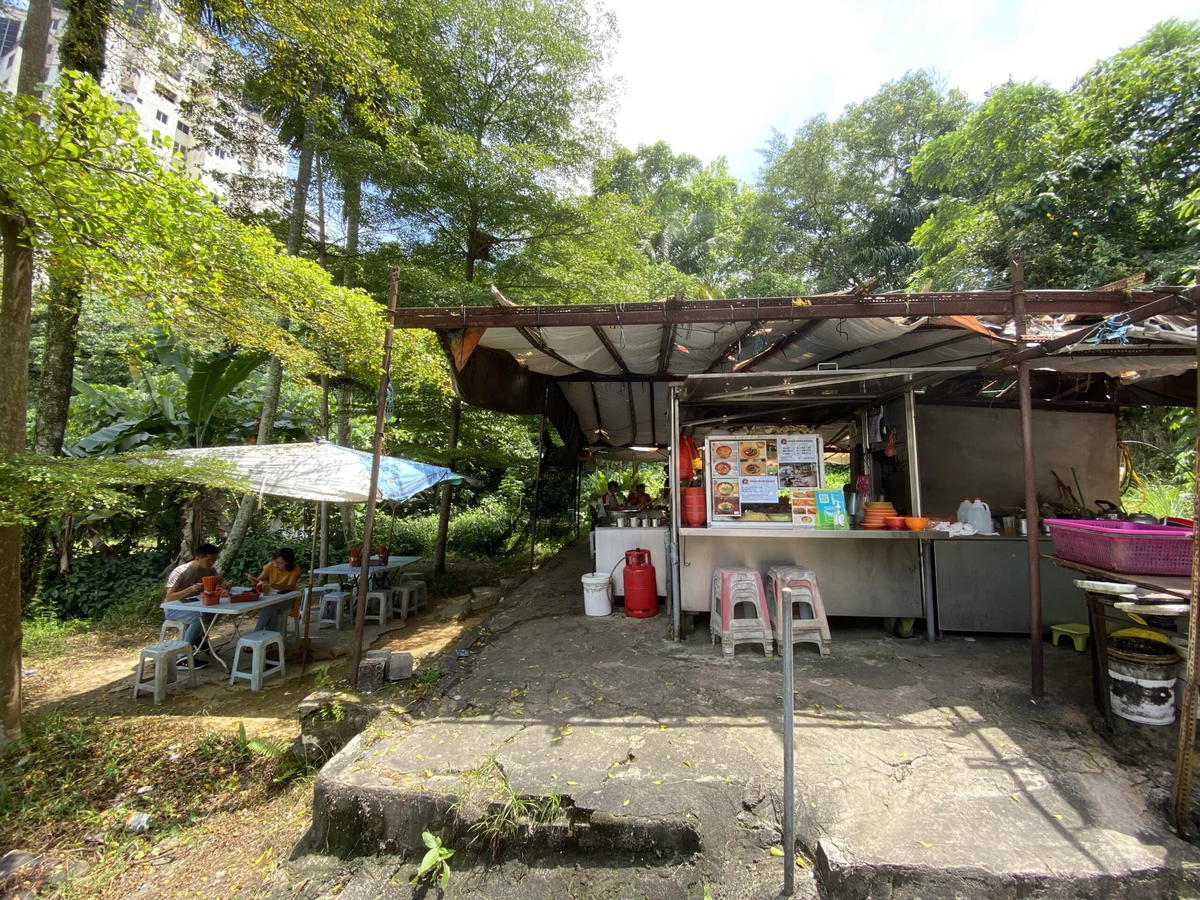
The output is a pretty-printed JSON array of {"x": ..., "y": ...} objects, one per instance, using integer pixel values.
[
  {"x": 1155, "y": 308},
  {"x": 653, "y": 417},
  {"x": 600, "y": 433},
  {"x": 835, "y": 306},
  {"x": 612, "y": 351},
  {"x": 733, "y": 345}
]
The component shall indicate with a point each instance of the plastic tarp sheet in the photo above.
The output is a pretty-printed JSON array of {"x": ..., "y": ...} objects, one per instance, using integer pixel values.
[{"x": 322, "y": 471}]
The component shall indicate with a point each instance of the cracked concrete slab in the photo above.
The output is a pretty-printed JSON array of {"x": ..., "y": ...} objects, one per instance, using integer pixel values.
[{"x": 922, "y": 770}]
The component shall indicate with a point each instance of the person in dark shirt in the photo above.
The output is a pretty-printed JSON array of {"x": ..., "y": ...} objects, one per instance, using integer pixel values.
[{"x": 186, "y": 581}]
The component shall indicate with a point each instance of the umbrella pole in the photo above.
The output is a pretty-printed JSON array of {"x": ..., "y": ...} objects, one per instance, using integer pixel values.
[
  {"x": 305, "y": 643},
  {"x": 364, "y": 577}
]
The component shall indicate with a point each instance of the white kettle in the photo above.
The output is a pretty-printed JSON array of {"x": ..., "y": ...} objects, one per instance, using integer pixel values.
[{"x": 980, "y": 517}]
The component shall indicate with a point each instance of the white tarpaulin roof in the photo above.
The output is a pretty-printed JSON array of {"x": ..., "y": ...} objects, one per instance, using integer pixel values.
[{"x": 321, "y": 471}]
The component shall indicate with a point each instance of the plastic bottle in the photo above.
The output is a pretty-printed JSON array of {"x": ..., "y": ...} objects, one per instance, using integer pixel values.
[
  {"x": 964, "y": 511},
  {"x": 980, "y": 517}
]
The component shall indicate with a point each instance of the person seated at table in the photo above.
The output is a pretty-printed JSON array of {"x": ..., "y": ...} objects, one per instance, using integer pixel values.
[
  {"x": 639, "y": 498},
  {"x": 186, "y": 581},
  {"x": 280, "y": 575},
  {"x": 611, "y": 499}
]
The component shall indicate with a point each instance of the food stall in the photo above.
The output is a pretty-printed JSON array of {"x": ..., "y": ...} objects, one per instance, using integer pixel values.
[{"x": 768, "y": 500}]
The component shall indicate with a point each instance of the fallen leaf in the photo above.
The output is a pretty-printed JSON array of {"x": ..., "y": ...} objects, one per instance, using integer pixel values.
[
  {"x": 777, "y": 851},
  {"x": 657, "y": 781},
  {"x": 573, "y": 782},
  {"x": 687, "y": 763},
  {"x": 802, "y": 862},
  {"x": 925, "y": 844},
  {"x": 625, "y": 802}
]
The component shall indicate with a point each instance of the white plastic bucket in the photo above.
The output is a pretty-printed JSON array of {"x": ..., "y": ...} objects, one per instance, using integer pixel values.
[{"x": 597, "y": 594}]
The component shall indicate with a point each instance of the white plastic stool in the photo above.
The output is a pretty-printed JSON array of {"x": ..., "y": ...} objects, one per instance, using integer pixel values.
[
  {"x": 163, "y": 655},
  {"x": 404, "y": 600},
  {"x": 332, "y": 609},
  {"x": 258, "y": 643},
  {"x": 172, "y": 625},
  {"x": 379, "y": 606},
  {"x": 420, "y": 593}
]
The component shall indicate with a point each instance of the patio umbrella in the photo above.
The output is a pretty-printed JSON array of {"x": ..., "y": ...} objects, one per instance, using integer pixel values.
[{"x": 322, "y": 471}]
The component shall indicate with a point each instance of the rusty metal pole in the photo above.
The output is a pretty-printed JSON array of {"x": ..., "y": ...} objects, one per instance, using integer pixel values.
[
  {"x": 1181, "y": 791},
  {"x": 364, "y": 576},
  {"x": 1016, "y": 274}
]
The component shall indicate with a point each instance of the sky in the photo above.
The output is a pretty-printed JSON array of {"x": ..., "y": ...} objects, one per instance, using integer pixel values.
[{"x": 713, "y": 79}]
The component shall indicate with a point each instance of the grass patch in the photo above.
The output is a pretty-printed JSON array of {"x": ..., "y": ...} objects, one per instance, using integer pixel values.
[
  {"x": 46, "y": 637},
  {"x": 71, "y": 777},
  {"x": 501, "y": 814}
]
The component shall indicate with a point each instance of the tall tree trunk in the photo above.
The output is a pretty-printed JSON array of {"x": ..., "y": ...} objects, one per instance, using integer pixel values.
[
  {"x": 16, "y": 297},
  {"x": 352, "y": 207},
  {"x": 323, "y": 508},
  {"x": 82, "y": 48},
  {"x": 270, "y": 395},
  {"x": 444, "y": 495}
]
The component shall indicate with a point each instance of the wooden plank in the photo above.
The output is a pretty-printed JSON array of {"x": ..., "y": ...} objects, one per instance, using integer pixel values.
[{"x": 977, "y": 303}]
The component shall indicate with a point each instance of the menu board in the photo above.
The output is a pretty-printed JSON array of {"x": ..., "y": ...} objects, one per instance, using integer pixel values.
[{"x": 754, "y": 479}]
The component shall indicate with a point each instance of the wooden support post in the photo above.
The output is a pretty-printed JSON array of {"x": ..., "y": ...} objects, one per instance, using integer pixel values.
[
  {"x": 364, "y": 577},
  {"x": 537, "y": 482},
  {"x": 444, "y": 495},
  {"x": 1016, "y": 274},
  {"x": 1181, "y": 791}
]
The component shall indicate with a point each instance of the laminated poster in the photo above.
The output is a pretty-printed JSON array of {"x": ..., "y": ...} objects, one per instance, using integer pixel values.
[
  {"x": 831, "y": 509},
  {"x": 804, "y": 507},
  {"x": 797, "y": 450},
  {"x": 759, "y": 490}
]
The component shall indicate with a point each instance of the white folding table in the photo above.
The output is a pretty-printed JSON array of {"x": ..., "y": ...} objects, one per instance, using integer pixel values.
[
  {"x": 224, "y": 608},
  {"x": 345, "y": 570}
]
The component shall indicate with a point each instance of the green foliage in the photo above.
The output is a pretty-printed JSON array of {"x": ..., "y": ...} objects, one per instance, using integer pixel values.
[
  {"x": 841, "y": 197},
  {"x": 149, "y": 238},
  {"x": 481, "y": 532},
  {"x": 99, "y": 582},
  {"x": 45, "y": 637},
  {"x": 1092, "y": 184},
  {"x": 435, "y": 865}
]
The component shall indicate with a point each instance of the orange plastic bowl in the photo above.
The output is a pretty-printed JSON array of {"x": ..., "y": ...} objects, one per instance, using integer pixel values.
[{"x": 916, "y": 523}]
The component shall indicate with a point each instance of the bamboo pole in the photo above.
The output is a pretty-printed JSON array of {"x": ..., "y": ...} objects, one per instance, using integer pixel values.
[
  {"x": 364, "y": 576},
  {"x": 1016, "y": 273},
  {"x": 1181, "y": 791}
]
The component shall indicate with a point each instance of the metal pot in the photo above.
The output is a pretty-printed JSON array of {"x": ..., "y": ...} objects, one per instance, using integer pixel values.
[{"x": 1111, "y": 511}]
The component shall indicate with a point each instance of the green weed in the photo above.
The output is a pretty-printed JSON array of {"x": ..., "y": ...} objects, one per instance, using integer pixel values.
[
  {"x": 46, "y": 637},
  {"x": 435, "y": 865}
]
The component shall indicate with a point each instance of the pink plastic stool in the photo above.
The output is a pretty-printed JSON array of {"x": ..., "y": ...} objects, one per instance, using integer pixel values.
[
  {"x": 807, "y": 624},
  {"x": 739, "y": 609}
]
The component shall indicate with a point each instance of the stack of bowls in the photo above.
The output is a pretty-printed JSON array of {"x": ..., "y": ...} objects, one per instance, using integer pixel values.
[{"x": 876, "y": 513}]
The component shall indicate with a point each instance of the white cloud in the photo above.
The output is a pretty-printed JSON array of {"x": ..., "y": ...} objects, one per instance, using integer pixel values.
[{"x": 713, "y": 78}]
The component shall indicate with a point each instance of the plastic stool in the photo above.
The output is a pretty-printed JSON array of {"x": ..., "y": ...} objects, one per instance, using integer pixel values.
[
  {"x": 163, "y": 655},
  {"x": 404, "y": 601},
  {"x": 332, "y": 609},
  {"x": 258, "y": 643},
  {"x": 420, "y": 593},
  {"x": 809, "y": 623},
  {"x": 1079, "y": 634},
  {"x": 737, "y": 591},
  {"x": 172, "y": 625},
  {"x": 380, "y": 602}
]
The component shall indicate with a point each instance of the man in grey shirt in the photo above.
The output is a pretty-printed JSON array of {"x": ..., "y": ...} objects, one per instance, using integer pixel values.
[{"x": 186, "y": 581}]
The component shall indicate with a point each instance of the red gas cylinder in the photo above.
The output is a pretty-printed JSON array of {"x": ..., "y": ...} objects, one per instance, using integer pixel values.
[{"x": 641, "y": 595}]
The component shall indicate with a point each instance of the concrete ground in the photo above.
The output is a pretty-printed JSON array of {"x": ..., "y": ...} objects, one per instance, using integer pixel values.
[{"x": 582, "y": 756}]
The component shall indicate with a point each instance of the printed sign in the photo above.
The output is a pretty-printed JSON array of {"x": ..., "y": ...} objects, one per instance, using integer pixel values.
[
  {"x": 799, "y": 449},
  {"x": 759, "y": 490}
]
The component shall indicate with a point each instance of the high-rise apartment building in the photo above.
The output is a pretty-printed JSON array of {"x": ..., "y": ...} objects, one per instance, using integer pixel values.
[{"x": 156, "y": 68}]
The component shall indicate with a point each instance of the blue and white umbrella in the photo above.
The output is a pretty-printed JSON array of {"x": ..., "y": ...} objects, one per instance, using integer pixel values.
[{"x": 321, "y": 471}]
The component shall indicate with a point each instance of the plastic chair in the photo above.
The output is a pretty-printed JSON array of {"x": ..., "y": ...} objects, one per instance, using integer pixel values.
[
  {"x": 739, "y": 610},
  {"x": 1073, "y": 631},
  {"x": 172, "y": 625},
  {"x": 809, "y": 623}
]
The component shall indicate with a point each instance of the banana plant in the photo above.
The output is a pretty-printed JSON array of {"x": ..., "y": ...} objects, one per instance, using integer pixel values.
[{"x": 207, "y": 383}]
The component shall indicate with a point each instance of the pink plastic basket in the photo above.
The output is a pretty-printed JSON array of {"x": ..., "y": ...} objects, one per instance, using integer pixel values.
[{"x": 1132, "y": 547}]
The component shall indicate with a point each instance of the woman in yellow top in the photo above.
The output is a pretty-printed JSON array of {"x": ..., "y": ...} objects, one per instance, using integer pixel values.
[{"x": 281, "y": 574}]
